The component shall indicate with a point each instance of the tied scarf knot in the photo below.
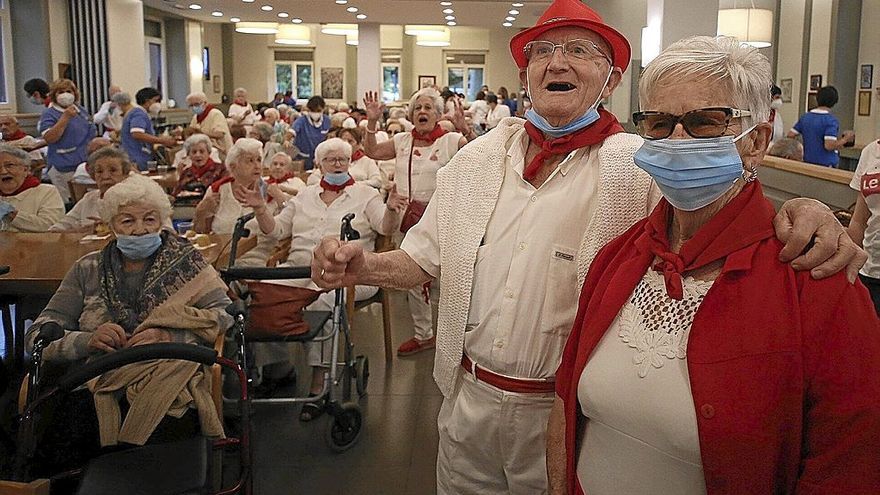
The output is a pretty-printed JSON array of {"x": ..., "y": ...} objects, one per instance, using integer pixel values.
[
  {"x": 30, "y": 182},
  {"x": 202, "y": 116},
  {"x": 671, "y": 270},
  {"x": 357, "y": 155},
  {"x": 335, "y": 188},
  {"x": 436, "y": 133}
]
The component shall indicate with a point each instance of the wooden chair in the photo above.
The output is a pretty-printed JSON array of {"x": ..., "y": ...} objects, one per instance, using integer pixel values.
[
  {"x": 78, "y": 190},
  {"x": 383, "y": 244}
]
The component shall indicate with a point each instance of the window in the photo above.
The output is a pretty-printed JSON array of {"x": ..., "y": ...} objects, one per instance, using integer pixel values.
[
  {"x": 156, "y": 68},
  {"x": 295, "y": 71},
  {"x": 465, "y": 73},
  {"x": 6, "y": 94},
  {"x": 390, "y": 76}
]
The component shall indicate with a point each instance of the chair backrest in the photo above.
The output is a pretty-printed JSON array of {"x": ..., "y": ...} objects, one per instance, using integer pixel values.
[{"x": 78, "y": 190}]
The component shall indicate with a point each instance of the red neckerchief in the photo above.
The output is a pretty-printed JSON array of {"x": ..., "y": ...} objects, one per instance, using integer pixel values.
[
  {"x": 727, "y": 232},
  {"x": 273, "y": 180},
  {"x": 357, "y": 155},
  {"x": 594, "y": 133},
  {"x": 204, "y": 115},
  {"x": 29, "y": 182},
  {"x": 15, "y": 136},
  {"x": 218, "y": 183},
  {"x": 332, "y": 187},
  {"x": 47, "y": 101},
  {"x": 242, "y": 103},
  {"x": 436, "y": 133},
  {"x": 207, "y": 167}
]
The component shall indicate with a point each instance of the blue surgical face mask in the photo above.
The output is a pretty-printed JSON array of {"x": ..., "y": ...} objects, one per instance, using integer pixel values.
[
  {"x": 138, "y": 247},
  {"x": 337, "y": 178},
  {"x": 590, "y": 116},
  {"x": 197, "y": 109},
  {"x": 692, "y": 173}
]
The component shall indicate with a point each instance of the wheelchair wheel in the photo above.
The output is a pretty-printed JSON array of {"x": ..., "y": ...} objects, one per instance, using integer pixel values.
[
  {"x": 344, "y": 429},
  {"x": 362, "y": 374}
]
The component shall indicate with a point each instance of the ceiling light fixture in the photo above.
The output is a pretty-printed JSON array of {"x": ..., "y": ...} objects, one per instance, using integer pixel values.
[
  {"x": 417, "y": 29},
  {"x": 217, "y": 13},
  {"x": 446, "y": 4},
  {"x": 448, "y": 11},
  {"x": 339, "y": 29},
  {"x": 293, "y": 35},
  {"x": 513, "y": 12},
  {"x": 752, "y": 27},
  {"x": 266, "y": 8},
  {"x": 361, "y": 16},
  {"x": 341, "y": 2},
  {"x": 256, "y": 27},
  {"x": 433, "y": 38},
  {"x": 195, "y": 6},
  {"x": 516, "y": 4},
  {"x": 352, "y": 9},
  {"x": 234, "y": 19},
  {"x": 450, "y": 18},
  {"x": 351, "y": 39},
  {"x": 506, "y": 24},
  {"x": 296, "y": 20},
  {"x": 510, "y": 18},
  {"x": 283, "y": 15},
  {"x": 451, "y": 23},
  {"x": 248, "y": 1}
]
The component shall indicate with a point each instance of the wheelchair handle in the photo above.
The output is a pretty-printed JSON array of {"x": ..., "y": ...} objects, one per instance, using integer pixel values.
[
  {"x": 263, "y": 273},
  {"x": 122, "y": 357},
  {"x": 49, "y": 332}
]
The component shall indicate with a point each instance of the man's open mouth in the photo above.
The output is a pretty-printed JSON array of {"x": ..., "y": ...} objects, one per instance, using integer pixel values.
[
  {"x": 560, "y": 86},
  {"x": 423, "y": 119}
]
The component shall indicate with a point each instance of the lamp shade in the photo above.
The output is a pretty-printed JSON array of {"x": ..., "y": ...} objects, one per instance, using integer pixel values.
[
  {"x": 339, "y": 29},
  {"x": 292, "y": 34},
  {"x": 435, "y": 38},
  {"x": 753, "y": 27},
  {"x": 417, "y": 29},
  {"x": 256, "y": 27}
]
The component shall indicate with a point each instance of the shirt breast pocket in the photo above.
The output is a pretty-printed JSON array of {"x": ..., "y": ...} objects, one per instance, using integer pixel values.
[{"x": 561, "y": 293}]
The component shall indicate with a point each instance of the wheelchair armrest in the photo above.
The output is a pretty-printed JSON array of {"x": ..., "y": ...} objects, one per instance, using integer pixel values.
[{"x": 261, "y": 273}]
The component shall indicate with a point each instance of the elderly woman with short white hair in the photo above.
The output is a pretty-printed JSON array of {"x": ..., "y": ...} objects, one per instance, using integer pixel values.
[
  {"x": 419, "y": 154},
  {"x": 199, "y": 170},
  {"x": 265, "y": 133},
  {"x": 317, "y": 212},
  {"x": 699, "y": 362},
  {"x": 25, "y": 204},
  {"x": 283, "y": 183},
  {"x": 146, "y": 286},
  {"x": 209, "y": 121},
  {"x": 240, "y": 111}
]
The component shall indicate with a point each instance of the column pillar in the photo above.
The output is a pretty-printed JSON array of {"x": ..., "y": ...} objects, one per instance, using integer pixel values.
[{"x": 369, "y": 59}]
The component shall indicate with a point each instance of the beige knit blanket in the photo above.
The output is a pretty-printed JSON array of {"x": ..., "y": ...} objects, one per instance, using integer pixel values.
[{"x": 162, "y": 387}]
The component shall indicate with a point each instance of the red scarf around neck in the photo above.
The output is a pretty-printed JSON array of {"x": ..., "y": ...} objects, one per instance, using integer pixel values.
[
  {"x": 436, "y": 133},
  {"x": 200, "y": 171},
  {"x": 357, "y": 155},
  {"x": 273, "y": 180},
  {"x": 727, "y": 232},
  {"x": 332, "y": 187},
  {"x": 29, "y": 183},
  {"x": 15, "y": 136},
  {"x": 594, "y": 133},
  {"x": 219, "y": 183},
  {"x": 204, "y": 115}
]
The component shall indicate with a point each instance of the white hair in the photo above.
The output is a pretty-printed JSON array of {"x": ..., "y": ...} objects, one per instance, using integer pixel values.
[
  {"x": 239, "y": 91},
  {"x": 431, "y": 93},
  {"x": 243, "y": 146},
  {"x": 332, "y": 144},
  {"x": 122, "y": 98},
  {"x": 342, "y": 107},
  {"x": 134, "y": 189},
  {"x": 195, "y": 140},
  {"x": 711, "y": 60},
  {"x": 264, "y": 129},
  {"x": 272, "y": 111},
  {"x": 283, "y": 108},
  {"x": 197, "y": 95},
  {"x": 349, "y": 123},
  {"x": 287, "y": 159},
  {"x": 15, "y": 152}
]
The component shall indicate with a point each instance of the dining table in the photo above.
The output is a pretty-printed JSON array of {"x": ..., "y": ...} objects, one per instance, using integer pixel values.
[{"x": 38, "y": 263}]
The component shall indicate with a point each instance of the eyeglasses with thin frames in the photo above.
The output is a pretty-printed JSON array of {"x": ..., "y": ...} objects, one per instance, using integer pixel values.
[
  {"x": 584, "y": 50},
  {"x": 337, "y": 161},
  {"x": 701, "y": 123}
]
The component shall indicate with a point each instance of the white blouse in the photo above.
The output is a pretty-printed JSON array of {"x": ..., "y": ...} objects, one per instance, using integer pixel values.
[
  {"x": 426, "y": 161},
  {"x": 228, "y": 212},
  {"x": 641, "y": 435}
]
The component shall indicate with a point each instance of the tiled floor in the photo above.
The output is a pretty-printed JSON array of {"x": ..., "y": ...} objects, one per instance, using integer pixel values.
[{"x": 397, "y": 451}]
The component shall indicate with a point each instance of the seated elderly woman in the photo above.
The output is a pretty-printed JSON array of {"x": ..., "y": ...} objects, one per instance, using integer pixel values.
[
  {"x": 107, "y": 167},
  {"x": 25, "y": 204},
  {"x": 699, "y": 362},
  {"x": 264, "y": 133},
  {"x": 282, "y": 181},
  {"x": 363, "y": 168},
  {"x": 317, "y": 212},
  {"x": 147, "y": 286},
  {"x": 181, "y": 160},
  {"x": 789, "y": 148},
  {"x": 199, "y": 170}
]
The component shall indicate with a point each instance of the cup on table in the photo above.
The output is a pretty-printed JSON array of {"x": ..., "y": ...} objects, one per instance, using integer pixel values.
[
  {"x": 152, "y": 165},
  {"x": 184, "y": 227}
]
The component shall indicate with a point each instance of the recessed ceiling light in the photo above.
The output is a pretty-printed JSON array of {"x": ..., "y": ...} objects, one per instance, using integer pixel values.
[
  {"x": 267, "y": 8},
  {"x": 450, "y": 18},
  {"x": 234, "y": 19},
  {"x": 283, "y": 15},
  {"x": 195, "y": 6},
  {"x": 361, "y": 16},
  {"x": 510, "y": 18},
  {"x": 513, "y": 12},
  {"x": 517, "y": 4},
  {"x": 506, "y": 24},
  {"x": 296, "y": 20},
  {"x": 446, "y": 4},
  {"x": 217, "y": 13},
  {"x": 451, "y": 23},
  {"x": 352, "y": 9},
  {"x": 341, "y": 2},
  {"x": 448, "y": 11},
  {"x": 248, "y": 1}
]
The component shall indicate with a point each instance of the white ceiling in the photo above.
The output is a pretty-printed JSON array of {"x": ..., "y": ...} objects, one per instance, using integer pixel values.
[{"x": 483, "y": 13}]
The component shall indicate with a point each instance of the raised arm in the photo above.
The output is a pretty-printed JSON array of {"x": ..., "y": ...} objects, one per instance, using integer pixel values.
[{"x": 377, "y": 151}]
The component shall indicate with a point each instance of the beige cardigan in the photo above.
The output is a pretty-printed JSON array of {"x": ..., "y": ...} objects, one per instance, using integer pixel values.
[{"x": 467, "y": 190}]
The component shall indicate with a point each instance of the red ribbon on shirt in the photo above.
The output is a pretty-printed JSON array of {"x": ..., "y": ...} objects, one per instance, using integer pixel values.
[
  {"x": 15, "y": 136},
  {"x": 436, "y": 133},
  {"x": 29, "y": 182},
  {"x": 594, "y": 133},
  {"x": 333, "y": 187},
  {"x": 273, "y": 180},
  {"x": 219, "y": 183},
  {"x": 357, "y": 155},
  {"x": 204, "y": 115}
]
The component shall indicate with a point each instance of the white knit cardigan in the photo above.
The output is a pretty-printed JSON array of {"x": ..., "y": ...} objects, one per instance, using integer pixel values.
[{"x": 467, "y": 190}]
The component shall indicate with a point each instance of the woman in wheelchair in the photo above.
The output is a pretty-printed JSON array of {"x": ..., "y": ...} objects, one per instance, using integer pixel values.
[
  {"x": 147, "y": 286},
  {"x": 316, "y": 212}
]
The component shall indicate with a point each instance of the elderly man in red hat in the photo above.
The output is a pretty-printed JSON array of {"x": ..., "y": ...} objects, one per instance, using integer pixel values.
[{"x": 517, "y": 218}]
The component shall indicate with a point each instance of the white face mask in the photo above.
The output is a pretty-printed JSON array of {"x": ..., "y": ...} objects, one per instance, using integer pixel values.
[
  {"x": 155, "y": 108},
  {"x": 316, "y": 116},
  {"x": 776, "y": 103},
  {"x": 65, "y": 99}
]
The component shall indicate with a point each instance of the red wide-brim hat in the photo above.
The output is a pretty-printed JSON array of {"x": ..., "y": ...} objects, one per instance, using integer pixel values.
[{"x": 572, "y": 13}]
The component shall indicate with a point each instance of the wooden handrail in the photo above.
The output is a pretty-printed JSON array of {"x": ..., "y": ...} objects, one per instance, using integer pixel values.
[{"x": 808, "y": 169}]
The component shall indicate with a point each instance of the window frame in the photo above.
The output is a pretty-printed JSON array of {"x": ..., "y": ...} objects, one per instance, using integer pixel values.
[
  {"x": 10, "y": 105},
  {"x": 465, "y": 66},
  {"x": 397, "y": 66}
]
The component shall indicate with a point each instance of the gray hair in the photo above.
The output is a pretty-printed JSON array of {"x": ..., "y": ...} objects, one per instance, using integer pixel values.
[
  {"x": 122, "y": 98},
  {"x": 283, "y": 108},
  {"x": 195, "y": 140},
  {"x": 264, "y": 129},
  {"x": 284, "y": 155},
  {"x": 272, "y": 111},
  {"x": 342, "y": 107},
  {"x": 109, "y": 152},
  {"x": 239, "y": 91},
  {"x": 332, "y": 144},
  {"x": 134, "y": 189},
  {"x": 741, "y": 69},
  {"x": 241, "y": 147},
  {"x": 17, "y": 153},
  {"x": 436, "y": 100},
  {"x": 10, "y": 117},
  {"x": 789, "y": 148},
  {"x": 197, "y": 95}
]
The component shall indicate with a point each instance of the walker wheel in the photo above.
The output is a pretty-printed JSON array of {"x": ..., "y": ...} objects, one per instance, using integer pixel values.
[
  {"x": 344, "y": 429},
  {"x": 362, "y": 372}
]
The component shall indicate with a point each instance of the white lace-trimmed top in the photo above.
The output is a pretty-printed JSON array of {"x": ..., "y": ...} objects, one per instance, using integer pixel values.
[{"x": 642, "y": 435}]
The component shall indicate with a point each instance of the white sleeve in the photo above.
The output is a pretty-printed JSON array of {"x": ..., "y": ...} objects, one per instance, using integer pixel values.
[
  {"x": 103, "y": 112},
  {"x": 284, "y": 221},
  {"x": 864, "y": 163},
  {"x": 422, "y": 243}
]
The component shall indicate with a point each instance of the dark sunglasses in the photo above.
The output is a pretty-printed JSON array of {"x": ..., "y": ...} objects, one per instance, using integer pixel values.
[{"x": 701, "y": 123}]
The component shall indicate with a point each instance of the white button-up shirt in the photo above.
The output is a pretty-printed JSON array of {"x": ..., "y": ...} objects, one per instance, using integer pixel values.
[{"x": 525, "y": 293}]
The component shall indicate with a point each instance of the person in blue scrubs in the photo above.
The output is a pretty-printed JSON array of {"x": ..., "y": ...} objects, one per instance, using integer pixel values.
[
  {"x": 137, "y": 134},
  {"x": 310, "y": 130},
  {"x": 820, "y": 131}
]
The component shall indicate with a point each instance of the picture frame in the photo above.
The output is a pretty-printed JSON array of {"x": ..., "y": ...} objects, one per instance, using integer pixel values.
[
  {"x": 866, "y": 76},
  {"x": 332, "y": 82},
  {"x": 864, "y": 103},
  {"x": 216, "y": 82},
  {"x": 206, "y": 63},
  {"x": 427, "y": 81},
  {"x": 815, "y": 82},
  {"x": 811, "y": 100},
  {"x": 786, "y": 86}
]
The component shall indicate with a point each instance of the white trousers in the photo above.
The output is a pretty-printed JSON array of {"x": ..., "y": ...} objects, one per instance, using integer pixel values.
[
  {"x": 321, "y": 352},
  {"x": 60, "y": 180},
  {"x": 420, "y": 309},
  {"x": 492, "y": 441}
]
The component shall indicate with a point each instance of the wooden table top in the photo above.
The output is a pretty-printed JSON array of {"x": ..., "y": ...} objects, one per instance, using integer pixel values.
[
  {"x": 39, "y": 262},
  {"x": 168, "y": 180}
]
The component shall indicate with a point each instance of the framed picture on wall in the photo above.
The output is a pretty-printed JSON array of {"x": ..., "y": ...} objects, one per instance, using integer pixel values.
[
  {"x": 216, "y": 84},
  {"x": 864, "y": 103},
  {"x": 332, "y": 82},
  {"x": 427, "y": 81},
  {"x": 811, "y": 100},
  {"x": 785, "y": 85},
  {"x": 815, "y": 82},
  {"x": 866, "y": 77}
]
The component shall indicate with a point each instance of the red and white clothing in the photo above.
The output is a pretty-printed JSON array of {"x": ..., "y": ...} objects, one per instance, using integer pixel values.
[
  {"x": 237, "y": 112},
  {"x": 495, "y": 115},
  {"x": 363, "y": 170},
  {"x": 866, "y": 180},
  {"x": 212, "y": 122},
  {"x": 37, "y": 208},
  {"x": 22, "y": 140},
  {"x": 228, "y": 212}
]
